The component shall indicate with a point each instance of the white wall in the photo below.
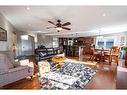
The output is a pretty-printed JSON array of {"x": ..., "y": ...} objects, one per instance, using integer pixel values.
[
  {"x": 5, "y": 45},
  {"x": 45, "y": 40},
  {"x": 35, "y": 37}
]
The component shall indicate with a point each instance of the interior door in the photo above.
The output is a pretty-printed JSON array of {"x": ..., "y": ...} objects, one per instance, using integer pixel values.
[{"x": 28, "y": 45}]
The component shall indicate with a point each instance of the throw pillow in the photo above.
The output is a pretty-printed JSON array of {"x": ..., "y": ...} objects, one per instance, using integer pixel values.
[
  {"x": 10, "y": 59},
  {"x": 24, "y": 62},
  {"x": 8, "y": 63},
  {"x": 42, "y": 54}
]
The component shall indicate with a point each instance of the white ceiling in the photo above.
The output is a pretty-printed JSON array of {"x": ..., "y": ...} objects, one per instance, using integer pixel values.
[{"x": 85, "y": 20}]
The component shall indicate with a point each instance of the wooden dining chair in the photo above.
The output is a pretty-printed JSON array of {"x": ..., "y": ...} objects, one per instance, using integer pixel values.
[
  {"x": 115, "y": 52},
  {"x": 95, "y": 54},
  {"x": 87, "y": 52},
  {"x": 112, "y": 54}
]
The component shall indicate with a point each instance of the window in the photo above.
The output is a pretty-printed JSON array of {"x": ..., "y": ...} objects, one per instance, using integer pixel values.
[
  {"x": 105, "y": 43},
  {"x": 100, "y": 44},
  {"x": 55, "y": 42},
  {"x": 109, "y": 43}
]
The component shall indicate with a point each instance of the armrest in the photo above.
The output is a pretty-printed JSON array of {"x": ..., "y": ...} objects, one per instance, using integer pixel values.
[
  {"x": 1, "y": 73},
  {"x": 17, "y": 69},
  {"x": 31, "y": 64},
  {"x": 26, "y": 62},
  {"x": 31, "y": 67}
]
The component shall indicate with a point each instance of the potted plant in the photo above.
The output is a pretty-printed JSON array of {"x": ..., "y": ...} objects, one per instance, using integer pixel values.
[{"x": 125, "y": 49}]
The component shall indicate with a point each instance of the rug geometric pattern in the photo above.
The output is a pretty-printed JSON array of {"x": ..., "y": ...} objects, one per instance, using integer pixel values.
[{"x": 76, "y": 70}]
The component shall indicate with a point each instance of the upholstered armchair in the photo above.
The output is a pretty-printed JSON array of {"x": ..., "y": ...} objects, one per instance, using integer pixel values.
[
  {"x": 43, "y": 67},
  {"x": 11, "y": 71}
]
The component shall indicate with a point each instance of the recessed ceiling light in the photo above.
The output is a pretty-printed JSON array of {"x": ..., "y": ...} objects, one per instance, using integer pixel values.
[
  {"x": 27, "y": 8},
  {"x": 39, "y": 31},
  {"x": 103, "y": 14}
]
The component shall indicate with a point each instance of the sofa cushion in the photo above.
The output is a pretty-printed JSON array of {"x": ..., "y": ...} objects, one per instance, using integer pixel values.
[
  {"x": 50, "y": 53},
  {"x": 3, "y": 67},
  {"x": 45, "y": 58}
]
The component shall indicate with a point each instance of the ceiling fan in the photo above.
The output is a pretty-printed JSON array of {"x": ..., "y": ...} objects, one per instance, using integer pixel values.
[{"x": 59, "y": 26}]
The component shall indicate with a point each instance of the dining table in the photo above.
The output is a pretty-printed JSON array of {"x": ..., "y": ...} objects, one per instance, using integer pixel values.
[{"x": 102, "y": 52}]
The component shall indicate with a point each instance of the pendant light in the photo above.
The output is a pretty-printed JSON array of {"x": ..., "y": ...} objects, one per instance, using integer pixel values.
[{"x": 100, "y": 36}]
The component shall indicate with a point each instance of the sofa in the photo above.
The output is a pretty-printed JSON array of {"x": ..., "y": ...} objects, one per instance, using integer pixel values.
[
  {"x": 11, "y": 70},
  {"x": 46, "y": 53}
]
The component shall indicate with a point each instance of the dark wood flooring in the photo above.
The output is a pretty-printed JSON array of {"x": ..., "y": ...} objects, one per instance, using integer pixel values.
[
  {"x": 105, "y": 78},
  {"x": 121, "y": 78}
]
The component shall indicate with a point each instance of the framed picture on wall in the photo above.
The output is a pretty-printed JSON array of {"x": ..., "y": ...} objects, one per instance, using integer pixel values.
[{"x": 3, "y": 34}]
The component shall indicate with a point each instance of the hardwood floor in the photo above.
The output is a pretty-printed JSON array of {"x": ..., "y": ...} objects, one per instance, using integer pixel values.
[
  {"x": 26, "y": 83},
  {"x": 105, "y": 78},
  {"x": 121, "y": 78}
]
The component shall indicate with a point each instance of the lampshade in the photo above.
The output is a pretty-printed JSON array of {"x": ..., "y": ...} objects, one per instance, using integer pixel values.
[
  {"x": 59, "y": 28},
  {"x": 99, "y": 37}
]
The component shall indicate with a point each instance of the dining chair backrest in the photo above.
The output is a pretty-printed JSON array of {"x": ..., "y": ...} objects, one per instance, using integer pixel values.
[
  {"x": 93, "y": 50},
  {"x": 115, "y": 50}
]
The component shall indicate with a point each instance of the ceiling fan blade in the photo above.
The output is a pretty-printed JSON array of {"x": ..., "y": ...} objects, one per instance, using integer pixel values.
[
  {"x": 50, "y": 27},
  {"x": 52, "y": 22},
  {"x": 66, "y": 28},
  {"x": 67, "y": 23}
]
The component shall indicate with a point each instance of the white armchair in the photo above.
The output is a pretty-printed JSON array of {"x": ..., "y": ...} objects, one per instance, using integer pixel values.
[{"x": 11, "y": 72}]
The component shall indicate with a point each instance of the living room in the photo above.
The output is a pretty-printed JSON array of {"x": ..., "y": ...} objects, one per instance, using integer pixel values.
[{"x": 44, "y": 49}]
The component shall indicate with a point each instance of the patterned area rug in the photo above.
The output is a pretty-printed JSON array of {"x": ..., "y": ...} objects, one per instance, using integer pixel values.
[{"x": 75, "y": 70}]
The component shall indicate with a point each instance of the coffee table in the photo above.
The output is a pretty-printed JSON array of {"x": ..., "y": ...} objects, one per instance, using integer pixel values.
[{"x": 58, "y": 61}]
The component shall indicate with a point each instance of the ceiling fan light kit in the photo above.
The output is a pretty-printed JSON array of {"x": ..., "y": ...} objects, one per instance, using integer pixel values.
[{"x": 58, "y": 28}]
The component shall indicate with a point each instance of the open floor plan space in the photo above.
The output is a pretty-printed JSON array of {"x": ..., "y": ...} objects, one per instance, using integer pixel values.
[
  {"x": 104, "y": 79},
  {"x": 63, "y": 47}
]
